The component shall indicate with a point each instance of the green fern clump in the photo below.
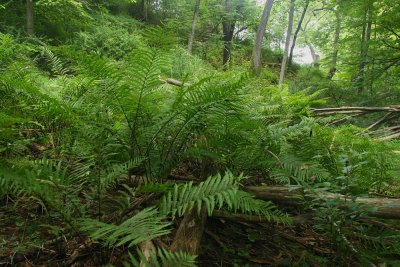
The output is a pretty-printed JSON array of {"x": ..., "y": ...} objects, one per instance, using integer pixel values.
[
  {"x": 110, "y": 36},
  {"x": 9, "y": 50}
]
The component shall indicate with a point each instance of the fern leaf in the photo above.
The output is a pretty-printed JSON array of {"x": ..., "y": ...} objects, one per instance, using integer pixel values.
[
  {"x": 54, "y": 62},
  {"x": 186, "y": 196},
  {"x": 144, "y": 226},
  {"x": 163, "y": 258}
]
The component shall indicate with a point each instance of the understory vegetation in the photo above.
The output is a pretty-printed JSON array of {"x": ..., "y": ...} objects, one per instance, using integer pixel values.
[{"x": 121, "y": 147}]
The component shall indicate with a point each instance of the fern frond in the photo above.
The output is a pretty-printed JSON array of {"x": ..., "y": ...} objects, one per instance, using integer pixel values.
[
  {"x": 215, "y": 191},
  {"x": 144, "y": 226},
  {"x": 55, "y": 63},
  {"x": 163, "y": 258},
  {"x": 247, "y": 204},
  {"x": 114, "y": 172}
]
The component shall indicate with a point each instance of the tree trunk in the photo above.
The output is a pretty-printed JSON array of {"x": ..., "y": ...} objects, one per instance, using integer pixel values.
[
  {"x": 287, "y": 43},
  {"x": 314, "y": 55},
  {"x": 332, "y": 70},
  {"x": 30, "y": 26},
  {"x": 303, "y": 14},
  {"x": 194, "y": 22},
  {"x": 365, "y": 38},
  {"x": 143, "y": 10},
  {"x": 260, "y": 35},
  {"x": 228, "y": 27}
]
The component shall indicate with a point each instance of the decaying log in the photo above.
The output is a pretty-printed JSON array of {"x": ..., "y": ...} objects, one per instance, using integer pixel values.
[
  {"x": 388, "y": 208},
  {"x": 190, "y": 232},
  {"x": 279, "y": 194},
  {"x": 381, "y": 207}
]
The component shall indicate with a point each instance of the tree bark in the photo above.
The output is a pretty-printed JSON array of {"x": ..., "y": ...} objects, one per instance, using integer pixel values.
[
  {"x": 332, "y": 70},
  {"x": 194, "y": 22},
  {"x": 287, "y": 43},
  {"x": 30, "y": 26},
  {"x": 303, "y": 14},
  {"x": 228, "y": 28},
  {"x": 260, "y": 34}
]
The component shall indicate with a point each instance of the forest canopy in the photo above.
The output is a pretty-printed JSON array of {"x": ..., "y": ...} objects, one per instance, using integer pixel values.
[{"x": 199, "y": 133}]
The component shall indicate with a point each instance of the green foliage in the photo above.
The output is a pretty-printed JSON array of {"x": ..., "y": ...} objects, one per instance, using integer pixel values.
[
  {"x": 53, "y": 23},
  {"x": 144, "y": 226},
  {"x": 110, "y": 36},
  {"x": 216, "y": 192},
  {"x": 163, "y": 258},
  {"x": 89, "y": 129}
]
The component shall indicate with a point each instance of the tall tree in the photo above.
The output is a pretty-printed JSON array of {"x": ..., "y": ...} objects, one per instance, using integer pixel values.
[
  {"x": 332, "y": 70},
  {"x": 194, "y": 22},
  {"x": 228, "y": 28},
  {"x": 143, "y": 9},
  {"x": 260, "y": 34},
  {"x": 303, "y": 14},
  {"x": 287, "y": 42},
  {"x": 365, "y": 39},
  {"x": 30, "y": 26}
]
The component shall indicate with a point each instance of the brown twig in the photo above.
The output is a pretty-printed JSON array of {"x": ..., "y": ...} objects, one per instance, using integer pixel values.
[
  {"x": 382, "y": 119},
  {"x": 353, "y": 110}
]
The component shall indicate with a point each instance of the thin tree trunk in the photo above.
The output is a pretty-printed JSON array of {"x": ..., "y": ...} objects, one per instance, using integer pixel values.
[
  {"x": 372, "y": 70},
  {"x": 194, "y": 22},
  {"x": 314, "y": 55},
  {"x": 287, "y": 43},
  {"x": 332, "y": 70},
  {"x": 228, "y": 27},
  {"x": 365, "y": 38},
  {"x": 260, "y": 35},
  {"x": 30, "y": 26},
  {"x": 303, "y": 14},
  {"x": 143, "y": 10}
]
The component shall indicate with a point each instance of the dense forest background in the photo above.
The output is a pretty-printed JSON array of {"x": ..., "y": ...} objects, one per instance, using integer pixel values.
[{"x": 199, "y": 132}]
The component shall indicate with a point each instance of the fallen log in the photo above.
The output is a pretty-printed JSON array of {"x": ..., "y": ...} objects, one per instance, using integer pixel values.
[
  {"x": 352, "y": 110},
  {"x": 388, "y": 208},
  {"x": 388, "y": 137},
  {"x": 297, "y": 220},
  {"x": 381, "y": 207}
]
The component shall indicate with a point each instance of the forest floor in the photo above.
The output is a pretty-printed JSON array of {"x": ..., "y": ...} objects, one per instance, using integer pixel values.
[{"x": 26, "y": 240}]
